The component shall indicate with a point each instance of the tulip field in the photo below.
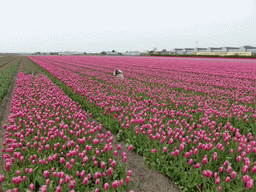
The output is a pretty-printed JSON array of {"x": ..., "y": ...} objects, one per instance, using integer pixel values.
[
  {"x": 193, "y": 120},
  {"x": 51, "y": 147}
]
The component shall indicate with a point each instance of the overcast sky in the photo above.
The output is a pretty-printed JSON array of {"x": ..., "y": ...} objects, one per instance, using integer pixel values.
[{"x": 134, "y": 25}]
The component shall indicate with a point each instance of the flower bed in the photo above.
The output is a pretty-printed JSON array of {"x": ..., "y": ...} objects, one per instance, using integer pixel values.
[
  {"x": 192, "y": 120},
  {"x": 50, "y": 146}
]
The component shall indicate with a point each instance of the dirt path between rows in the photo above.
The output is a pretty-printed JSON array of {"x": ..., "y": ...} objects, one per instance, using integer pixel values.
[{"x": 5, "y": 112}]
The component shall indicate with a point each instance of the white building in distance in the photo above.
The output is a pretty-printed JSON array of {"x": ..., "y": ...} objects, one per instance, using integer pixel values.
[
  {"x": 109, "y": 53},
  {"x": 131, "y": 53}
]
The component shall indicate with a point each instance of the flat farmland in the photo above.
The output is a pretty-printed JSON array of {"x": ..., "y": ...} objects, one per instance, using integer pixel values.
[{"x": 191, "y": 119}]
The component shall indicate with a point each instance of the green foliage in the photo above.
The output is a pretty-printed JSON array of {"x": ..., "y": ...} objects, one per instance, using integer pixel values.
[{"x": 6, "y": 75}]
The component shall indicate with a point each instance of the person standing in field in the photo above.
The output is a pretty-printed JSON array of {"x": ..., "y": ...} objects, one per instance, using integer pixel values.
[{"x": 118, "y": 73}]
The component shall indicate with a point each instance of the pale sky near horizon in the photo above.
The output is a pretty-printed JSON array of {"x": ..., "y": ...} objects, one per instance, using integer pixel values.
[{"x": 100, "y": 25}]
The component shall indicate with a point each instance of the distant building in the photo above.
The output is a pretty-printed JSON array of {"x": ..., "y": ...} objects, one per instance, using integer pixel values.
[
  {"x": 144, "y": 53},
  {"x": 177, "y": 51},
  {"x": 112, "y": 53},
  {"x": 78, "y": 53},
  {"x": 131, "y": 53},
  {"x": 94, "y": 54},
  {"x": 164, "y": 52},
  {"x": 200, "y": 50},
  {"x": 70, "y": 53},
  {"x": 188, "y": 51},
  {"x": 216, "y": 49},
  {"x": 248, "y": 49},
  {"x": 42, "y": 53},
  {"x": 231, "y": 49}
]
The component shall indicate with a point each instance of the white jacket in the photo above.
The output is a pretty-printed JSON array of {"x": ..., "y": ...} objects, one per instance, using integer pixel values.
[{"x": 120, "y": 75}]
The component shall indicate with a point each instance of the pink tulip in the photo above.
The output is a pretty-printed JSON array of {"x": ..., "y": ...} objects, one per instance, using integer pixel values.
[
  {"x": 110, "y": 170},
  {"x": 115, "y": 184},
  {"x": 245, "y": 169},
  {"x": 176, "y": 152},
  {"x": 127, "y": 179},
  {"x": 30, "y": 170},
  {"x": 129, "y": 172},
  {"x": 31, "y": 186},
  {"x": 46, "y": 174},
  {"x": 233, "y": 174},
  {"x": 72, "y": 184},
  {"x": 2, "y": 178},
  {"x": 58, "y": 189},
  {"x": 229, "y": 169},
  {"x": 62, "y": 160},
  {"x": 130, "y": 147},
  {"x": 190, "y": 161},
  {"x": 239, "y": 158},
  {"x": 67, "y": 178},
  {"x": 106, "y": 185},
  {"x": 226, "y": 163},
  {"x": 217, "y": 180},
  {"x": 47, "y": 147},
  {"x": 153, "y": 150},
  {"x": 102, "y": 165},
  {"x": 253, "y": 169},
  {"x": 249, "y": 184},
  {"x": 246, "y": 178},
  {"x": 61, "y": 181},
  {"x": 204, "y": 161},
  {"x": 227, "y": 179},
  {"x": 85, "y": 181}
]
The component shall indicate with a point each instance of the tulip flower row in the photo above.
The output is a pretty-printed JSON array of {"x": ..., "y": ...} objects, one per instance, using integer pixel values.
[
  {"x": 6, "y": 74},
  {"x": 49, "y": 145},
  {"x": 186, "y": 117},
  {"x": 5, "y": 60},
  {"x": 28, "y": 67}
]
